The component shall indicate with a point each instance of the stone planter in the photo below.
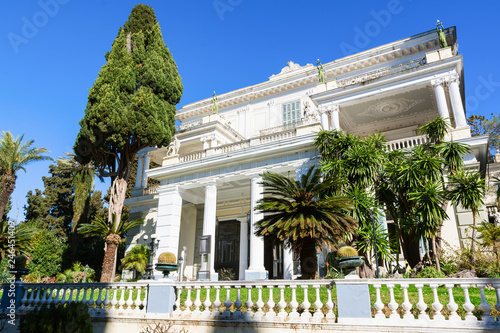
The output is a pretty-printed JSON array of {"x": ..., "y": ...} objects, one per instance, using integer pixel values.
[{"x": 166, "y": 268}]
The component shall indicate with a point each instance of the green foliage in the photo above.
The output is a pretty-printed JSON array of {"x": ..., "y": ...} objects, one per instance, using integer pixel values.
[
  {"x": 76, "y": 274},
  {"x": 100, "y": 228},
  {"x": 347, "y": 251},
  {"x": 482, "y": 126},
  {"x": 226, "y": 274},
  {"x": 47, "y": 254},
  {"x": 132, "y": 102},
  {"x": 430, "y": 272},
  {"x": 68, "y": 318},
  {"x": 167, "y": 258},
  {"x": 304, "y": 215},
  {"x": 4, "y": 271},
  {"x": 23, "y": 235},
  {"x": 385, "y": 243},
  {"x": 137, "y": 258},
  {"x": 14, "y": 156}
]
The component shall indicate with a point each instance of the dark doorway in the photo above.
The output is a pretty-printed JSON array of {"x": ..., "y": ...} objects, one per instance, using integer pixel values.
[
  {"x": 273, "y": 257},
  {"x": 227, "y": 246}
]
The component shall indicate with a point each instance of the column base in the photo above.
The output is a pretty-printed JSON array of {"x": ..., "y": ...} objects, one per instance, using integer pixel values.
[{"x": 251, "y": 275}]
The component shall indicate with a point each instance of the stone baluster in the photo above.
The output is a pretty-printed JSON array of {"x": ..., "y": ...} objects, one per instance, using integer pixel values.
[
  {"x": 452, "y": 306},
  {"x": 91, "y": 301},
  {"x": 114, "y": 300},
  {"x": 177, "y": 312},
  {"x": 393, "y": 305},
  {"x": 260, "y": 304},
  {"x": 271, "y": 314},
  {"x": 378, "y": 302},
  {"x": 188, "y": 303},
  {"x": 130, "y": 300},
  {"x": 138, "y": 301},
  {"x": 71, "y": 293},
  {"x": 77, "y": 296},
  {"x": 145, "y": 300},
  {"x": 318, "y": 314},
  {"x": 121, "y": 300},
  {"x": 217, "y": 303},
  {"x": 48, "y": 295},
  {"x": 468, "y": 306},
  {"x": 305, "y": 304},
  {"x": 207, "y": 303},
  {"x": 106, "y": 302},
  {"x": 329, "y": 304},
  {"x": 227, "y": 304},
  {"x": 406, "y": 305},
  {"x": 31, "y": 299},
  {"x": 63, "y": 292},
  {"x": 98, "y": 301},
  {"x": 436, "y": 305},
  {"x": 197, "y": 303},
  {"x": 238, "y": 303},
  {"x": 497, "y": 290},
  {"x": 249, "y": 304},
  {"x": 294, "y": 314},
  {"x": 282, "y": 304},
  {"x": 40, "y": 296},
  {"x": 484, "y": 306},
  {"x": 24, "y": 299},
  {"x": 421, "y": 304}
]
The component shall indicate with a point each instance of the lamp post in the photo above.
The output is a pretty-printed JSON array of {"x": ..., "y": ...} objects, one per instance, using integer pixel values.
[
  {"x": 85, "y": 276},
  {"x": 153, "y": 245}
]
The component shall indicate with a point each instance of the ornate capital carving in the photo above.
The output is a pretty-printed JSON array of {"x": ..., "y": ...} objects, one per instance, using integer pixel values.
[
  {"x": 438, "y": 82},
  {"x": 328, "y": 107}
]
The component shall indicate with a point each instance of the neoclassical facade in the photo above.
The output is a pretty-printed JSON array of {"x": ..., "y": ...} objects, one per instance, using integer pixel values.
[{"x": 209, "y": 177}]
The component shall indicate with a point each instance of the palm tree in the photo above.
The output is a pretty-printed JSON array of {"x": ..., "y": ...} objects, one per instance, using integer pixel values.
[
  {"x": 137, "y": 259},
  {"x": 490, "y": 237},
  {"x": 301, "y": 214},
  {"x": 14, "y": 156},
  {"x": 112, "y": 234},
  {"x": 22, "y": 234},
  {"x": 468, "y": 190}
]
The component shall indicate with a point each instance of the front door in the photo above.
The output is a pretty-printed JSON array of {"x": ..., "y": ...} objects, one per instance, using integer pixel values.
[{"x": 227, "y": 246}]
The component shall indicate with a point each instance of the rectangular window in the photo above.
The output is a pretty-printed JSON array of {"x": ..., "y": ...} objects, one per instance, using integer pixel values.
[{"x": 291, "y": 112}]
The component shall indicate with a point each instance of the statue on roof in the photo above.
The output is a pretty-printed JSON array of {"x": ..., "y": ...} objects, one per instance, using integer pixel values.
[
  {"x": 216, "y": 103},
  {"x": 441, "y": 34},
  {"x": 321, "y": 72}
]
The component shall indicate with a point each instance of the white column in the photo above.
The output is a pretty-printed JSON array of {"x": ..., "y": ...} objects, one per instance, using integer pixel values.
[
  {"x": 243, "y": 249},
  {"x": 335, "y": 118},
  {"x": 456, "y": 103},
  {"x": 169, "y": 220},
  {"x": 287, "y": 264},
  {"x": 209, "y": 219},
  {"x": 138, "y": 175},
  {"x": 441, "y": 99},
  {"x": 256, "y": 270},
  {"x": 324, "y": 120},
  {"x": 144, "y": 169}
]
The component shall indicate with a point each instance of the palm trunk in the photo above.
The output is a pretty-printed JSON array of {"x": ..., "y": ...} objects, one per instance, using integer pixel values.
[
  {"x": 308, "y": 260},
  {"x": 109, "y": 262},
  {"x": 8, "y": 184}
]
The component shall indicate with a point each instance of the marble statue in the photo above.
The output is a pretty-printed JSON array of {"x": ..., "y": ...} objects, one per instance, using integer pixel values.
[{"x": 173, "y": 148}]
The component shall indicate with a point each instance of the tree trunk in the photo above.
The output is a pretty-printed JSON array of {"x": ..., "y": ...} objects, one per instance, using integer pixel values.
[
  {"x": 436, "y": 255},
  {"x": 8, "y": 184},
  {"x": 109, "y": 262},
  {"x": 308, "y": 259},
  {"x": 473, "y": 239}
]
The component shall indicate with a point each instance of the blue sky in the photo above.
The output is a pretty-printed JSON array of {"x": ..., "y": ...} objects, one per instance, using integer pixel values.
[{"x": 52, "y": 51}]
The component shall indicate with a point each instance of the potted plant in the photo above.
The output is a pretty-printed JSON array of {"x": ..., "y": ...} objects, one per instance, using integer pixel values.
[{"x": 167, "y": 263}]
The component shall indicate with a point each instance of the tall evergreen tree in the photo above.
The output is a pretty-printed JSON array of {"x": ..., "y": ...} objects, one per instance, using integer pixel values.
[{"x": 130, "y": 106}]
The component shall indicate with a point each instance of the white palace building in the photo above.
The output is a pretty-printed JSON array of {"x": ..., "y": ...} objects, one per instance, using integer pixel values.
[{"x": 209, "y": 177}]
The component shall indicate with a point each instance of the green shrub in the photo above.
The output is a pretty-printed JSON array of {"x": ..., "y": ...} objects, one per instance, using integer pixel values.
[
  {"x": 347, "y": 251},
  {"x": 430, "y": 272},
  {"x": 76, "y": 274},
  {"x": 68, "y": 318}
]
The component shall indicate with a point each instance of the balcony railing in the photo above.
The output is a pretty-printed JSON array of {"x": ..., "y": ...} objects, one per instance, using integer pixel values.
[{"x": 406, "y": 143}]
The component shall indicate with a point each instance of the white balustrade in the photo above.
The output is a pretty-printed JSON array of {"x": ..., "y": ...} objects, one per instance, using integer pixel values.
[
  {"x": 406, "y": 143},
  {"x": 412, "y": 302},
  {"x": 124, "y": 299}
]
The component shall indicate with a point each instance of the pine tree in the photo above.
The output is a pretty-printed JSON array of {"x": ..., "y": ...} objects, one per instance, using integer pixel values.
[{"x": 131, "y": 106}]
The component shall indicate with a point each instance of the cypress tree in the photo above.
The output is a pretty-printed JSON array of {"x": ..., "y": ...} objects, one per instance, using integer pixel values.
[{"x": 131, "y": 106}]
